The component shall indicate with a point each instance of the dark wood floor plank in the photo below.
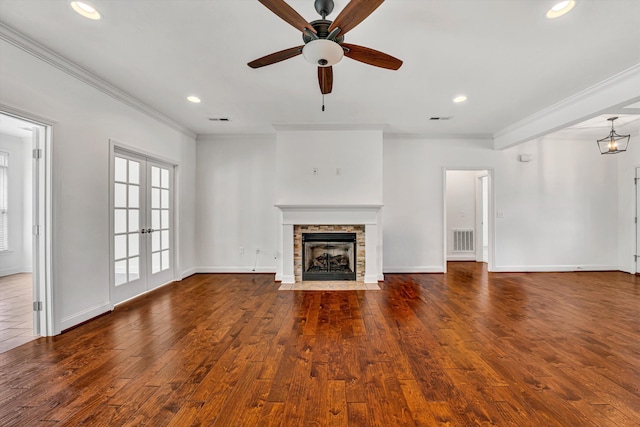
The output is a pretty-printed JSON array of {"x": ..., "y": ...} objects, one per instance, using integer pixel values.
[{"x": 463, "y": 348}]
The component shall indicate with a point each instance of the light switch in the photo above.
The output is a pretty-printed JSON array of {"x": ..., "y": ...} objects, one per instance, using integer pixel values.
[{"x": 500, "y": 214}]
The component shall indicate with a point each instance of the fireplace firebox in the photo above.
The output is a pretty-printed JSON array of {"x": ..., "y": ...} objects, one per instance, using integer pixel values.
[{"x": 328, "y": 256}]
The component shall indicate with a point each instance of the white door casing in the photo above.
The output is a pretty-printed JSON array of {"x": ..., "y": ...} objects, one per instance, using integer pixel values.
[{"x": 142, "y": 231}]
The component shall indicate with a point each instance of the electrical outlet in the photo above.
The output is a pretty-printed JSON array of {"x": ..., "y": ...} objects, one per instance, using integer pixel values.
[{"x": 241, "y": 250}]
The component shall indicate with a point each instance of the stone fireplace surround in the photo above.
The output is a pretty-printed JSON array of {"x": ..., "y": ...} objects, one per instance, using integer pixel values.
[{"x": 368, "y": 216}]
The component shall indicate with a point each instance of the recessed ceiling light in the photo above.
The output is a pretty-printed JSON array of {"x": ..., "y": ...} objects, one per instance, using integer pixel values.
[
  {"x": 460, "y": 98},
  {"x": 86, "y": 10},
  {"x": 560, "y": 9},
  {"x": 194, "y": 99}
]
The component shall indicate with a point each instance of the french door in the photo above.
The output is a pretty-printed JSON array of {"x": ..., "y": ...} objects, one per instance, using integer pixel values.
[{"x": 143, "y": 244}]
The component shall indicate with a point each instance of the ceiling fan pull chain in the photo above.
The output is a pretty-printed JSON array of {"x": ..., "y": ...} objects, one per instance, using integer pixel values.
[{"x": 323, "y": 102}]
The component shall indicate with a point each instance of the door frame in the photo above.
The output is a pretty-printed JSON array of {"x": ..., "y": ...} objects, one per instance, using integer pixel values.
[
  {"x": 481, "y": 238},
  {"x": 42, "y": 247},
  {"x": 491, "y": 238},
  {"x": 636, "y": 253},
  {"x": 113, "y": 146}
]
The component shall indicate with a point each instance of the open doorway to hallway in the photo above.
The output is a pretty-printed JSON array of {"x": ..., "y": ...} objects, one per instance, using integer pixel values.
[
  {"x": 467, "y": 215},
  {"x": 23, "y": 255}
]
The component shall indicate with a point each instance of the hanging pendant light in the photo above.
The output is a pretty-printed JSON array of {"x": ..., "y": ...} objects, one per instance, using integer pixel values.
[{"x": 613, "y": 143}]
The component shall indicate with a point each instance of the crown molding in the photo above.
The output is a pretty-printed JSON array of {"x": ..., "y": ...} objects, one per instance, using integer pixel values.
[
  {"x": 432, "y": 136},
  {"x": 613, "y": 93},
  {"x": 24, "y": 43}
]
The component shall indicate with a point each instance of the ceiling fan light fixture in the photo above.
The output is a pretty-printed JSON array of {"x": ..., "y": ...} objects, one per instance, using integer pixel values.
[
  {"x": 613, "y": 143},
  {"x": 560, "y": 9},
  {"x": 323, "y": 53}
]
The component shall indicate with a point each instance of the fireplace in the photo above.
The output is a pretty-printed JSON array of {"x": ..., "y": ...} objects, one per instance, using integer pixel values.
[
  {"x": 363, "y": 220},
  {"x": 329, "y": 256}
]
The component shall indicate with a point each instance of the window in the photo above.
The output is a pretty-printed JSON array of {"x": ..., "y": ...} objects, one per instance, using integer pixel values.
[{"x": 4, "y": 188}]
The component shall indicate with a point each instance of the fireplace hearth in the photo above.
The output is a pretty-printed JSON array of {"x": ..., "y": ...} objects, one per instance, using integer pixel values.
[{"x": 328, "y": 256}]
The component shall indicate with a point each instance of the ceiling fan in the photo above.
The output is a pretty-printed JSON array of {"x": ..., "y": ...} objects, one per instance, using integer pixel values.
[{"x": 323, "y": 40}]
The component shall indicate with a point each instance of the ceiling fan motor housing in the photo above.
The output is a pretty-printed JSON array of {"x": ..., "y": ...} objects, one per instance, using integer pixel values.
[{"x": 322, "y": 31}]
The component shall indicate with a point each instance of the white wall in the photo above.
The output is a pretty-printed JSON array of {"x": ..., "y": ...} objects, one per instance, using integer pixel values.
[
  {"x": 85, "y": 119},
  {"x": 17, "y": 259},
  {"x": 557, "y": 209},
  {"x": 235, "y": 203},
  {"x": 461, "y": 209},
  {"x": 627, "y": 164},
  {"x": 357, "y": 155}
]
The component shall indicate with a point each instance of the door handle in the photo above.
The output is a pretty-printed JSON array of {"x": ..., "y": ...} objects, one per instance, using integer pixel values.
[{"x": 147, "y": 230}]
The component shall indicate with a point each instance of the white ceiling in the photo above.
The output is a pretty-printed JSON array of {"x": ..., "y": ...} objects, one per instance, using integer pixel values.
[{"x": 503, "y": 54}]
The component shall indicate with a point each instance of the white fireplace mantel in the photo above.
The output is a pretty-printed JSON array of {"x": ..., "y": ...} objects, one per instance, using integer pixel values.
[{"x": 368, "y": 215}]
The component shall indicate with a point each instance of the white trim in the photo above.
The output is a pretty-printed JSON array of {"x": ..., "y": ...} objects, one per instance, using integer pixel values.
[
  {"x": 10, "y": 271},
  {"x": 88, "y": 314},
  {"x": 553, "y": 268},
  {"x": 271, "y": 270},
  {"x": 24, "y": 43},
  {"x": 470, "y": 256},
  {"x": 612, "y": 93},
  {"x": 415, "y": 269},
  {"x": 187, "y": 273}
]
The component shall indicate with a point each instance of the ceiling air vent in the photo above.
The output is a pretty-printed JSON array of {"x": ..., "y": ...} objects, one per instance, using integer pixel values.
[
  {"x": 219, "y": 119},
  {"x": 441, "y": 118}
]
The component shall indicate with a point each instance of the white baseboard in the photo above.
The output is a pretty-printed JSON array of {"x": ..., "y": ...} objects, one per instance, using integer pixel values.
[
  {"x": 235, "y": 270},
  {"x": 188, "y": 273},
  {"x": 17, "y": 270},
  {"x": 553, "y": 268},
  {"x": 83, "y": 316},
  {"x": 371, "y": 278},
  {"x": 420, "y": 269},
  {"x": 287, "y": 279},
  {"x": 462, "y": 257}
]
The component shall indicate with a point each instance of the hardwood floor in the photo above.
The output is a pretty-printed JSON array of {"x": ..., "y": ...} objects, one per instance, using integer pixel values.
[
  {"x": 462, "y": 349},
  {"x": 16, "y": 310}
]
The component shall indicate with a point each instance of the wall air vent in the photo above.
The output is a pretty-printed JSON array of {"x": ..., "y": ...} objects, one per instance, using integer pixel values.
[
  {"x": 219, "y": 119},
  {"x": 441, "y": 118}
]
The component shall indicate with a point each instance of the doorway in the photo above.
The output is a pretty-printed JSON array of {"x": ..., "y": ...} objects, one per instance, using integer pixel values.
[
  {"x": 142, "y": 255},
  {"x": 25, "y": 213},
  {"x": 467, "y": 216}
]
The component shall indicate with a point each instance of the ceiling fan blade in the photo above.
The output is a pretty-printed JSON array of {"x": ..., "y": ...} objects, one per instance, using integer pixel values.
[
  {"x": 371, "y": 56},
  {"x": 354, "y": 13},
  {"x": 276, "y": 57},
  {"x": 325, "y": 78},
  {"x": 288, "y": 14}
]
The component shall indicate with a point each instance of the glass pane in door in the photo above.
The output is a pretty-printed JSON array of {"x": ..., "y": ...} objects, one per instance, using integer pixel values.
[
  {"x": 126, "y": 220},
  {"x": 160, "y": 214}
]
